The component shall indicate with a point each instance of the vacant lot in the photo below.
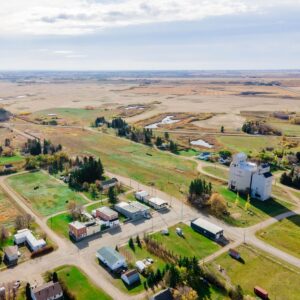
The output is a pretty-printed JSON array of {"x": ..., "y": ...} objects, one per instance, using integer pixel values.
[
  {"x": 192, "y": 244},
  {"x": 8, "y": 211},
  {"x": 219, "y": 172},
  {"x": 258, "y": 211},
  {"x": 46, "y": 195},
  {"x": 167, "y": 172},
  {"x": 284, "y": 235},
  {"x": 258, "y": 268},
  {"x": 79, "y": 284}
]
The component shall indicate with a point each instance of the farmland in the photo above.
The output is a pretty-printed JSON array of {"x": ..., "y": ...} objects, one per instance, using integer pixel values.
[
  {"x": 258, "y": 268},
  {"x": 192, "y": 244},
  {"x": 46, "y": 195},
  {"x": 79, "y": 284},
  {"x": 284, "y": 235}
]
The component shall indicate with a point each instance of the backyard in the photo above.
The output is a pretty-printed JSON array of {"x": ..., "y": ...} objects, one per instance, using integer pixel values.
[
  {"x": 46, "y": 195},
  {"x": 257, "y": 268},
  {"x": 79, "y": 284},
  {"x": 284, "y": 235}
]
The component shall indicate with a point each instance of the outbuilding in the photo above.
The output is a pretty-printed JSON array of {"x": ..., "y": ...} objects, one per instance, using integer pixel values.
[
  {"x": 140, "y": 266},
  {"x": 111, "y": 258},
  {"x": 108, "y": 215},
  {"x": 131, "y": 277},
  {"x": 207, "y": 228},
  {"x": 77, "y": 231},
  {"x": 11, "y": 255},
  {"x": 106, "y": 184},
  {"x": 133, "y": 210}
]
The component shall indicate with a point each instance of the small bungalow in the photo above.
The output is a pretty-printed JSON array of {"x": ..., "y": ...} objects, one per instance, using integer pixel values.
[
  {"x": 106, "y": 184},
  {"x": 131, "y": 277},
  {"x": 111, "y": 258},
  {"x": 11, "y": 255},
  {"x": 48, "y": 291}
]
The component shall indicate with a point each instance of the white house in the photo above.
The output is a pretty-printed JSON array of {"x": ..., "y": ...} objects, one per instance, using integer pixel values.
[
  {"x": 25, "y": 236},
  {"x": 247, "y": 177},
  {"x": 111, "y": 258}
]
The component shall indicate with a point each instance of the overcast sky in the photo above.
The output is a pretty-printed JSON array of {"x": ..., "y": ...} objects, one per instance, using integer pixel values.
[{"x": 149, "y": 34}]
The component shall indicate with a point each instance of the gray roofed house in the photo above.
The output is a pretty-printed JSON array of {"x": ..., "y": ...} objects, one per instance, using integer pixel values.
[
  {"x": 131, "y": 277},
  {"x": 11, "y": 255},
  {"x": 48, "y": 291},
  {"x": 111, "y": 258},
  {"x": 106, "y": 184}
]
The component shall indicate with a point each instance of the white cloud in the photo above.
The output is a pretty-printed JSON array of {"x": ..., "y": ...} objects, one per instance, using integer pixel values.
[
  {"x": 72, "y": 17},
  {"x": 63, "y": 52}
]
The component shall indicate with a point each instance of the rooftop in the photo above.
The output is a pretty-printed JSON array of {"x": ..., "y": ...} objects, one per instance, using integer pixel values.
[
  {"x": 108, "y": 211},
  {"x": 207, "y": 226},
  {"x": 110, "y": 255},
  {"x": 158, "y": 201},
  {"x": 11, "y": 250},
  {"x": 78, "y": 225},
  {"x": 47, "y": 291}
]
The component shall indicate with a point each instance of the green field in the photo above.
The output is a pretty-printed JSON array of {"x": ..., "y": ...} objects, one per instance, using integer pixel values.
[
  {"x": 284, "y": 235},
  {"x": 248, "y": 144},
  {"x": 168, "y": 173},
  {"x": 59, "y": 224},
  {"x": 46, "y": 195},
  {"x": 79, "y": 284},
  {"x": 193, "y": 243},
  {"x": 188, "y": 153},
  {"x": 219, "y": 172},
  {"x": 286, "y": 127},
  {"x": 259, "y": 210},
  {"x": 8, "y": 211},
  {"x": 11, "y": 160},
  {"x": 258, "y": 268}
]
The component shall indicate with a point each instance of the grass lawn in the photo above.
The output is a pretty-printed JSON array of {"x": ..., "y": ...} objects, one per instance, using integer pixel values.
[
  {"x": 259, "y": 210},
  {"x": 286, "y": 127},
  {"x": 59, "y": 224},
  {"x": 44, "y": 193},
  {"x": 168, "y": 173},
  {"x": 11, "y": 160},
  {"x": 79, "y": 284},
  {"x": 193, "y": 243},
  {"x": 222, "y": 173},
  {"x": 8, "y": 210},
  {"x": 284, "y": 235},
  {"x": 188, "y": 153},
  {"x": 279, "y": 279}
]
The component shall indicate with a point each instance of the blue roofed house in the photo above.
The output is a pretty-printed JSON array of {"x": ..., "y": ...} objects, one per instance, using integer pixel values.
[
  {"x": 111, "y": 258},
  {"x": 131, "y": 277}
]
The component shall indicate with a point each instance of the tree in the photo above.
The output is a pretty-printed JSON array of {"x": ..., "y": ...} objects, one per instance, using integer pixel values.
[
  {"x": 217, "y": 204},
  {"x": 54, "y": 277},
  {"x": 28, "y": 292},
  {"x": 222, "y": 129},
  {"x": 131, "y": 244},
  {"x": 138, "y": 241},
  {"x": 112, "y": 197},
  {"x": 93, "y": 190},
  {"x": 3, "y": 235},
  {"x": 158, "y": 141},
  {"x": 167, "y": 136},
  {"x": 173, "y": 147},
  {"x": 75, "y": 210},
  {"x": 185, "y": 293}
]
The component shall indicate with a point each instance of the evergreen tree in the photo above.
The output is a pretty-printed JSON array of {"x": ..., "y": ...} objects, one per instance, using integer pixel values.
[
  {"x": 112, "y": 197},
  {"x": 28, "y": 292},
  {"x": 55, "y": 277},
  {"x": 131, "y": 244},
  {"x": 138, "y": 241}
]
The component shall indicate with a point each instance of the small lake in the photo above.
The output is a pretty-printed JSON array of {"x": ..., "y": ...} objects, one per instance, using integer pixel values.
[
  {"x": 165, "y": 121},
  {"x": 201, "y": 143}
]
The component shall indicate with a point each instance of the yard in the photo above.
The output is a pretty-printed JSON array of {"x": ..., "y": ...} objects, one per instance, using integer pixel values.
[
  {"x": 192, "y": 244},
  {"x": 258, "y": 211},
  {"x": 216, "y": 171},
  {"x": 284, "y": 235},
  {"x": 11, "y": 159},
  {"x": 259, "y": 268},
  {"x": 59, "y": 224},
  {"x": 8, "y": 210},
  {"x": 46, "y": 194},
  {"x": 79, "y": 284}
]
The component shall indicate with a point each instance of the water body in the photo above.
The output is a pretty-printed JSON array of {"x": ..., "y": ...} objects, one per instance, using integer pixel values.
[{"x": 165, "y": 121}]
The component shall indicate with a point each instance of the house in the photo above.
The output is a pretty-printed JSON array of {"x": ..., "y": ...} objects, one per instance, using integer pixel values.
[
  {"x": 247, "y": 177},
  {"x": 111, "y": 258},
  {"x": 106, "y": 184},
  {"x": 163, "y": 295},
  {"x": 108, "y": 215},
  {"x": 204, "y": 156},
  {"x": 48, "y": 291},
  {"x": 11, "y": 255},
  {"x": 154, "y": 202},
  {"x": 25, "y": 237},
  {"x": 208, "y": 229},
  {"x": 77, "y": 231},
  {"x": 133, "y": 210},
  {"x": 131, "y": 277}
]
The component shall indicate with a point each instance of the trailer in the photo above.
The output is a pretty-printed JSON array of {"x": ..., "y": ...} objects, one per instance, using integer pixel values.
[
  {"x": 260, "y": 292},
  {"x": 208, "y": 229}
]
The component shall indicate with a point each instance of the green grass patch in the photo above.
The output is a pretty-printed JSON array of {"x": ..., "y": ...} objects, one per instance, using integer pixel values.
[
  {"x": 79, "y": 284},
  {"x": 259, "y": 268},
  {"x": 259, "y": 210},
  {"x": 284, "y": 234},
  {"x": 219, "y": 172},
  {"x": 60, "y": 224},
  {"x": 46, "y": 195},
  {"x": 188, "y": 152},
  {"x": 193, "y": 243},
  {"x": 11, "y": 160}
]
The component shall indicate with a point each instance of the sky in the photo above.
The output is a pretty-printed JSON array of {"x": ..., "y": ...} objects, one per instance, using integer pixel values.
[{"x": 149, "y": 34}]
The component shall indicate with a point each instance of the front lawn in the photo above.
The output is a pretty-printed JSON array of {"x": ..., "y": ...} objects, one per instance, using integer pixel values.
[
  {"x": 193, "y": 243},
  {"x": 258, "y": 268},
  {"x": 284, "y": 235},
  {"x": 46, "y": 194},
  {"x": 79, "y": 284}
]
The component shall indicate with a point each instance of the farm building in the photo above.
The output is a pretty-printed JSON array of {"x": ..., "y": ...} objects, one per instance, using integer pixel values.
[
  {"x": 11, "y": 255},
  {"x": 247, "y": 177},
  {"x": 208, "y": 229},
  {"x": 48, "y": 291},
  {"x": 131, "y": 277},
  {"x": 106, "y": 184},
  {"x": 154, "y": 202},
  {"x": 25, "y": 236},
  {"x": 111, "y": 258},
  {"x": 133, "y": 210},
  {"x": 108, "y": 215}
]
